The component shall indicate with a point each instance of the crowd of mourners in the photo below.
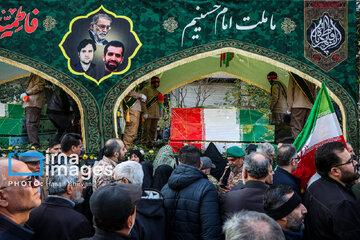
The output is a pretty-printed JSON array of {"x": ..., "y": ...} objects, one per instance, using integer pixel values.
[{"x": 252, "y": 194}]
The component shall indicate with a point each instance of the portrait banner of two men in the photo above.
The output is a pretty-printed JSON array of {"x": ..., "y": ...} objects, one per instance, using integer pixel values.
[{"x": 100, "y": 44}]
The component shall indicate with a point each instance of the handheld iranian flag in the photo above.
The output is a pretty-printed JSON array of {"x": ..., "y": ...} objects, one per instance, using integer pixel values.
[{"x": 322, "y": 126}]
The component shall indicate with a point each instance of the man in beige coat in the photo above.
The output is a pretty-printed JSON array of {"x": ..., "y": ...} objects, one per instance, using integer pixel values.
[
  {"x": 114, "y": 153},
  {"x": 132, "y": 109},
  {"x": 35, "y": 91},
  {"x": 151, "y": 111},
  {"x": 300, "y": 101}
]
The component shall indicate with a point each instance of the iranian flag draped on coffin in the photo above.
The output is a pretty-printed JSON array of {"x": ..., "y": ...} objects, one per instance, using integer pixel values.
[{"x": 321, "y": 127}]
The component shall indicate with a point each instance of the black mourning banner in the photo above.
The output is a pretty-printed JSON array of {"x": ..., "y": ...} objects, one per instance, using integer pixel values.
[{"x": 325, "y": 33}]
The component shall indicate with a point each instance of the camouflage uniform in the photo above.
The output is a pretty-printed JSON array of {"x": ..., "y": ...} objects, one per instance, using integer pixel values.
[
  {"x": 101, "y": 179},
  {"x": 216, "y": 183},
  {"x": 234, "y": 179}
]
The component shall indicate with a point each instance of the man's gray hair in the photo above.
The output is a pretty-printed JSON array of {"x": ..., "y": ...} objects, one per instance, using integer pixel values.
[
  {"x": 62, "y": 176},
  {"x": 96, "y": 17},
  {"x": 246, "y": 225},
  {"x": 266, "y": 148},
  {"x": 130, "y": 170},
  {"x": 257, "y": 165}
]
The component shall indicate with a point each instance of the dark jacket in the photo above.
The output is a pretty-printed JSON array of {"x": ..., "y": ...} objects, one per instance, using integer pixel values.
[
  {"x": 250, "y": 197},
  {"x": 55, "y": 219},
  {"x": 282, "y": 176},
  {"x": 150, "y": 217},
  {"x": 11, "y": 230},
  {"x": 148, "y": 170},
  {"x": 191, "y": 204},
  {"x": 102, "y": 235},
  {"x": 333, "y": 212},
  {"x": 293, "y": 235},
  {"x": 161, "y": 176},
  {"x": 62, "y": 102}
]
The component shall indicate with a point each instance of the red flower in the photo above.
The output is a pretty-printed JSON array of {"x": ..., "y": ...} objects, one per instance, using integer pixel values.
[{"x": 160, "y": 98}]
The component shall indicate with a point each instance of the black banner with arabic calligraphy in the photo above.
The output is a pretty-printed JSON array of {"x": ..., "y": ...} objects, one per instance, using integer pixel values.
[{"x": 326, "y": 33}]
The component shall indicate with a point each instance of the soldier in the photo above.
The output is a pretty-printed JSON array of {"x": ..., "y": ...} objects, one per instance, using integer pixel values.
[{"x": 151, "y": 111}]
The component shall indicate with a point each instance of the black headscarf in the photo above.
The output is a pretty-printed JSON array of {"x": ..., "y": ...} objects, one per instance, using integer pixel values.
[
  {"x": 161, "y": 176},
  {"x": 137, "y": 153}
]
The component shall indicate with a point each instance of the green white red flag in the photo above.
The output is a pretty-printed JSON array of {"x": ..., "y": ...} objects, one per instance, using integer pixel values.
[{"x": 322, "y": 126}]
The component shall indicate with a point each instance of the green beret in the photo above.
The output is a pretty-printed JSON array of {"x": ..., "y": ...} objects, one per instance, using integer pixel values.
[{"x": 235, "y": 151}]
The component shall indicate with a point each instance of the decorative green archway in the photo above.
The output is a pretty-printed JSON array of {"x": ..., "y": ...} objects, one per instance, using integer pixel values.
[
  {"x": 337, "y": 92},
  {"x": 88, "y": 106}
]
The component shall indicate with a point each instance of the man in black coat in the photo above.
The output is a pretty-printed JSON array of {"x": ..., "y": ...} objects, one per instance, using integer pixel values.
[
  {"x": 250, "y": 197},
  {"x": 285, "y": 207},
  {"x": 114, "y": 210},
  {"x": 333, "y": 212},
  {"x": 150, "y": 213},
  {"x": 287, "y": 161},
  {"x": 55, "y": 218},
  {"x": 191, "y": 200}
]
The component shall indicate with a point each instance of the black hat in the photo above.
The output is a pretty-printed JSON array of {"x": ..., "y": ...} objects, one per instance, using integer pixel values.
[
  {"x": 27, "y": 159},
  {"x": 115, "y": 201}
]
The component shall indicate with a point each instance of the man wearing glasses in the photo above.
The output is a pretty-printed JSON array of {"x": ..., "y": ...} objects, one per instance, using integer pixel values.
[
  {"x": 99, "y": 28},
  {"x": 287, "y": 162},
  {"x": 333, "y": 212},
  {"x": 18, "y": 196}
]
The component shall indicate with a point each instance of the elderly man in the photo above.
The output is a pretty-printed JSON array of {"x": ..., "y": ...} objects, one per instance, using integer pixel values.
[
  {"x": 32, "y": 162},
  {"x": 250, "y": 197},
  {"x": 191, "y": 201},
  {"x": 99, "y": 28},
  {"x": 247, "y": 225},
  {"x": 233, "y": 172},
  {"x": 114, "y": 152},
  {"x": 333, "y": 212},
  {"x": 114, "y": 210},
  {"x": 150, "y": 219},
  {"x": 55, "y": 218},
  {"x": 151, "y": 112},
  {"x": 267, "y": 149},
  {"x": 18, "y": 196},
  {"x": 207, "y": 165},
  {"x": 285, "y": 207},
  {"x": 287, "y": 161}
]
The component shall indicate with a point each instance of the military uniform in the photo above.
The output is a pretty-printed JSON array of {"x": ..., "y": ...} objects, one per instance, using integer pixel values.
[
  {"x": 35, "y": 91},
  {"x": 229, "y": 178},
  {"x": 278, "y": 103},
  {"x": 101, "y": 178},
  {"x": 152, "y": 109},
  {"x": 132, "y": 110},
  {"x": 234, "y": 178}
]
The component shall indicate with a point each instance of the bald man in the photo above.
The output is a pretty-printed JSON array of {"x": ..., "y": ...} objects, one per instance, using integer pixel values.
[{"x": 18, "y": 196}]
